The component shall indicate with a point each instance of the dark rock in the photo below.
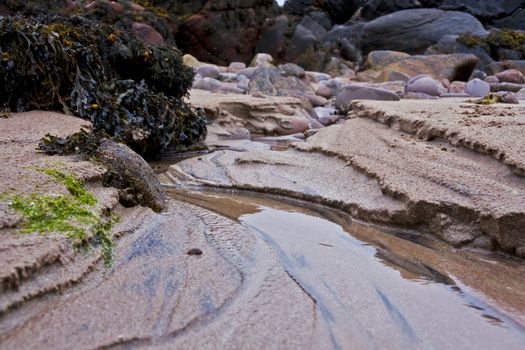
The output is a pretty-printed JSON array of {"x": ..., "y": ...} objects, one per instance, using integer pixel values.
[
  {"x": 339, "y": 10},
  {"x": 413, "y": 31},
  {"x": 292, "y": 70},
  {"x": 357, "y": 92},
  {"x": 273, "y": 38},
  {"x": 497, "y": 67},
  {"x": 515, "y": 21},
  {"x": 194, "y": 251},
  {"x": 449, "y": 45},
  {"x": 220, "y": 32},
  {"x": 511, "y": 87},
  {"x": 483, "y": 9},
  {"x": 303, "y": 49},
  {"x": 129, "y": 172}
]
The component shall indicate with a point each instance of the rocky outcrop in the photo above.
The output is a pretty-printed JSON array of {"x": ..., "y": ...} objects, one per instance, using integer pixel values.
[
  {"x": 221, "y": 31},
  {"x": 413, "y": 31},
  {"x": 447, "y": 168}
]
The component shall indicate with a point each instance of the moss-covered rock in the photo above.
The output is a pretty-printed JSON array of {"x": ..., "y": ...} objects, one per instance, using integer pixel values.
[
  {"x": 131, "y": 90},
  {"x": 497, "y": 43}
]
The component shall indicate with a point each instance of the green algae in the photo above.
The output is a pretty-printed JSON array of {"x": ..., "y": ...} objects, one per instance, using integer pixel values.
[{"x": 70, "y": 215}]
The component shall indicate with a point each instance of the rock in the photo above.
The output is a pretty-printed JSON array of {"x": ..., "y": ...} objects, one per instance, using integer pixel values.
[
  {"x": 497, "y": 67},
  {"x": 194, "y": 251},
  {"x": 520, "y": 95},
  {"x": 273, "y": 115},
  {"x": 449, "y": 45},
  {"x": 223, "y": 31},
  {"x": 129, "y": 172},
  {"x": 506, "y": 87},
  {"x": 333, "y": 84},
  {"x": 419, "y": 96},
  {"x": 483, "y": 9},
  {"x": 262, "y": 60},
  {"x": 209, "y": 71},
  {"x": 302, "y": 48},
  {"x": 247, "y": 72},
  {"x": 261, "y": 83},
  {"x": 292, "y": 70},
  {"x": 413, "y": 31},
  {"x": 274, "y": 36},
  {"x": 451, "y": 67},
  {"x": 356, "y": 92},
  {"x": 230, "y": 77},
  {"x": 491, "y": 79},
  {"x": 327, "y": 115},
  {"x": 235, "y": 67},
  {"x": 515, "y": 21},
  {"x": 324, "y": 91},
  {"x": 426, "y": 85},
  {"x": 511, "y": 76},
  {"x": 210, "y": 84},
  {"x": 507, "y": 97},
  {"x": 477, "y": 88},
  {"x": 317, "y": 76},
  {"x": 338, "y": 10},
  {"x": 335, "y": 67},
  {"x": 391, "y": 75},
  {"x": 380, "y": 58},
  {"x": 457, "y": 87},
  {"x": 191, "y": 61},
  {"x": 147, "y": 33}
]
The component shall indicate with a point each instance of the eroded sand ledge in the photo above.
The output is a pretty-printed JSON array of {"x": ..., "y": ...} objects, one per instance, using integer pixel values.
[{"x": 449, "y": 168}]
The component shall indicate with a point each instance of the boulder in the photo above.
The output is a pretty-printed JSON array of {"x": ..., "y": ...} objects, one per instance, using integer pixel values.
[
  {"x": 380, "y": 58},
  {"x": 391, "y": 75},
  {"x": 338, "y": 10},
  {"x": 209, "y": 71},
  {"x": 477, "y": 88},
  {"x": 262, "y": 60},
  {"x": 349, "y": 93},
  {"x": 491, "y": 79},
  {"x": 413, "y": 31},
  {"x": 221, "y": 32},
  {"x": 303, "y": 47},
  {"x": 511, "y": 76},
  {"x": 515, "y": 21},
  {"x": 292, "y": 69},
  {"x": 129, "y": 172},
  {"x": 191, "y": 61},
  {"x": 497, "y": 67},
  {"x": 449, "y": 45},
  {"x": 451, "y": 67},
  {"x": 425, "y": 84}
]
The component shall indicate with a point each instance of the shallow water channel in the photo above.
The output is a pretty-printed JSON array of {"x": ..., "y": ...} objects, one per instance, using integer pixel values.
[{"x": 379, "y": 287}]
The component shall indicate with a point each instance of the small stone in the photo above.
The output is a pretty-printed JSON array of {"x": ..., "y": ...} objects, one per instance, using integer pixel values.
[
  {"x": 262, "y": 60},
  {"x": 234, "y": 67},
  {"x": 491, "y": 79},
  {"x": 209, "y": 71},
  {"x": 194, "y": 251}
]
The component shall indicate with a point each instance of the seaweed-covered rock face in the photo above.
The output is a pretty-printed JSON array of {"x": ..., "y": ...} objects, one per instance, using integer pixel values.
[{"x": 131, "y": 90}]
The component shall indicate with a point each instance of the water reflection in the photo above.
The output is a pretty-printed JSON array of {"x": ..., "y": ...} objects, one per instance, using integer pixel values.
[{"x": 373, "y": 285}]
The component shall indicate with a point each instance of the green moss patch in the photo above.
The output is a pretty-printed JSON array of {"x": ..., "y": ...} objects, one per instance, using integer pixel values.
[{"x": 68, "y": 214}]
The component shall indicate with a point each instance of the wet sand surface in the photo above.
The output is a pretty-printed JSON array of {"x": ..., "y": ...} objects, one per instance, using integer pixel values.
[{"x": 372, "y": 288}]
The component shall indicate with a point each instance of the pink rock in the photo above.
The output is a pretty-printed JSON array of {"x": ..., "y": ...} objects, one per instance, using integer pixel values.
[
  {"x": 445, "y": 83},
  {"x": 146, "y": 33},
  {"x": 235, "y": 67},
  {"x": 491, "y": 79},
  {"x": 115, "y": 6},
  {"x": 136, "y": 7},
  {"x": 511, "y": 76},
  {"x": 324, "y": 91},
  {"x": 457, "y": 87}
]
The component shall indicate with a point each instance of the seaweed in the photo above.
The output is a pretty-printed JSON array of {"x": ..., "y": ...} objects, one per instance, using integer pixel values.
[
  {"x": 68, "y": 214},
  {"x": 495, "y": 41},
  {"x": 130, "y": 90}
]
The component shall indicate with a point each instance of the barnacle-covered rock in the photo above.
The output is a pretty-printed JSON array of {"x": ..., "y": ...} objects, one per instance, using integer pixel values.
[{"x": 131, "y": 90}]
